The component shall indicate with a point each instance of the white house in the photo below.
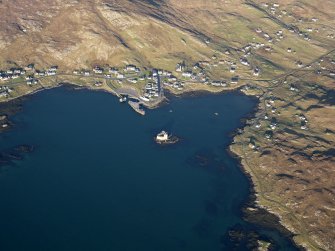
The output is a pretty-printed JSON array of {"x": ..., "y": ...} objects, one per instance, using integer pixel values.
[{"x": 187, "y": 74}]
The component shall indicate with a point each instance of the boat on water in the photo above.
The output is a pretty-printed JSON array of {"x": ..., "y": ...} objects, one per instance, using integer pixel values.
[
  {"x": 122, "y": 99},
  {"x": 164, "y": 138}
]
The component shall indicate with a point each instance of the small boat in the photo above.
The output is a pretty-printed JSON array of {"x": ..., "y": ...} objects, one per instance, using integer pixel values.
[{"x": 122, "y": 99}]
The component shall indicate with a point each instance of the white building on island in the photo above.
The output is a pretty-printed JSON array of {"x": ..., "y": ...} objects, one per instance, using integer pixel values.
[{"x": 162, "y": 136}]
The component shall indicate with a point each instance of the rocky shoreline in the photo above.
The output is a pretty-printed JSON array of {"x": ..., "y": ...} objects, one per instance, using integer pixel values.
[{"x": 251, "y": 210}]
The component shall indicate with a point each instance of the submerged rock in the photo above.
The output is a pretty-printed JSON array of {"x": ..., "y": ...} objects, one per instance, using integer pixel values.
[{"x": 8, "y": 156}]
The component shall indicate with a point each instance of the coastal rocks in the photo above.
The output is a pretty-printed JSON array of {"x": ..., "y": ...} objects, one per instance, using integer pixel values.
[
  {"x": 8, "y": 156},
  {"x": 206, "y": 159},
  {"x": 3, "y": 122},
  {"x": 24, "y": 148},
  {"x": 6, "y": 110},
  {"x": 265, "y": 219},
  {"x": 242, "y": 238}
]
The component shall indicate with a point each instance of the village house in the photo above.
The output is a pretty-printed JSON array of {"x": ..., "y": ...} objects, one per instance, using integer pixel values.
[
  {"x": 217, "y": 83},
  {"x": 97, "y": 70},
  {"x": 130, "y": 67},
  {"x": 172, "y": 78},
  {"x": 232, "y": 69},
  {"x": 180, "y": 67},
  {"x": 259, "y": 30},
  {"x": 3, "y": 94},
  {"x": 244, "y": 61},
  {"x": 273, "y": 125},
  {"x": 187, "y": 74},
  {"x": 40, "y": 73},
  {"x": 256, "y": 71},
  {"x": 15, "y": 76},
  {"x": 132, "y": 80},
  {"x": 204, "y": 63},
  {"x": 17, "y": 71},
  {"x": 98, "y": 84},
  {"x": 166, "y": 73},
  {"x": 53, "y": 68},
  {"x": 252, "y": 145},
  {"x": 5, "y": 77},
  {"x": 50, "y": 73},
  {"x": 292, "y": 88},
  {"x": 196, "y": 66},
  {"x": 268, "y": 134},
  {"x": 234, "y": 80},
  {"x": 113, "y": 71},
  {"x": 30, "y": 67},
  {"x": 120, "y": 76},
  {"x": 32, "y": 81},
  {"x": 299, "y": 64}
]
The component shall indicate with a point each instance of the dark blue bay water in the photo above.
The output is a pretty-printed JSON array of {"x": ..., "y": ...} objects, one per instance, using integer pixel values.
[{"x": 97, "y": 180}]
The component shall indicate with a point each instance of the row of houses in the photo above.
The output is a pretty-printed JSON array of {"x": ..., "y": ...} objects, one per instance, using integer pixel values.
[
  {"x": 15, "y": 73},
  {"x": 12, "y": 73}
]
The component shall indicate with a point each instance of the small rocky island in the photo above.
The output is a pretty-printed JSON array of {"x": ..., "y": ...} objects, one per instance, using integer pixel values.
[{"x": 163, "y": 138}]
